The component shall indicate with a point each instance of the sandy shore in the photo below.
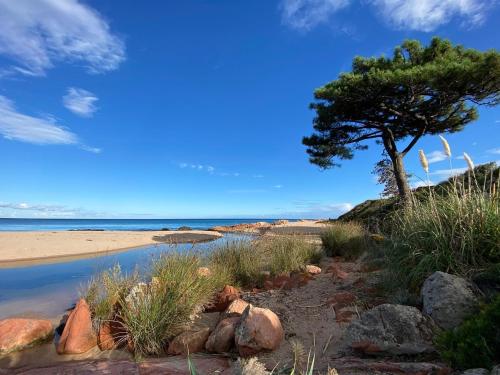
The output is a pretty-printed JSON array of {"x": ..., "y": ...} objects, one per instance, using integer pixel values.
[{"x": 32, "y": 246}]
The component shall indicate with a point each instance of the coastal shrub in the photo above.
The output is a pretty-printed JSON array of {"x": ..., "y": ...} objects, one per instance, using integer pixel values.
[
  {"x": 456, "y": 233},
  {"x": 289, "y": 253},
  {"x": 476, "y": 342},
  {"x": 243, "y": 261},
  {"x": 156, "y": 312},
  {"x": 105, "y": 290},
  {"x": 348, "y": 239}
]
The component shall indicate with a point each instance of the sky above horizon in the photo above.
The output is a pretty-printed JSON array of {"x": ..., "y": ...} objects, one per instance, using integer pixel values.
[{"x": 196, "y": 109}]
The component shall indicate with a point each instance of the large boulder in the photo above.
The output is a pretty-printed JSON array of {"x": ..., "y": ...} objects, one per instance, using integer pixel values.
[
  {"x": 17, "y": 334},
  {"x": 391, "y": 330},
  {"x": 448, "y": 299},
  {"x": 78, "y": 335},
  {"x": 222, "y": 338},
  {"x": 111, "y": 335},
  {"x": 259, "y": 329},
  {"x": 189, "y": 342},
  {"x": 495, "y": 370}
]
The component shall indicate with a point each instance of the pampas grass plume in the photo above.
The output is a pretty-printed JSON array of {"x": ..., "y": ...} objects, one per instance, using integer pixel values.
[
  {"x": 423, "y": 161},
  {"x": 446, "y": 146},
  {"x": 470, "y": 164}
]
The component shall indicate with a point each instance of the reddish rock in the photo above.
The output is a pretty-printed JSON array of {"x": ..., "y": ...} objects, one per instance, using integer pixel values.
[
  {"x": 222, "y": 338},
  {"x": 111, "y": 335},
  {"x": 342, "y": 299},
  {"x": 236, "y": 308},
  {"x": 223, "y": 299},
  {"x": 313, "y": 270},
  {"x": 16, "y": 334},
  {"x": 366, "y": 347},
  {"x": 259, "y": 329},
  {"x": 78, "y": 335},
  {"x": 189, "y": 342},
  {"x": 343, "y": 316}
]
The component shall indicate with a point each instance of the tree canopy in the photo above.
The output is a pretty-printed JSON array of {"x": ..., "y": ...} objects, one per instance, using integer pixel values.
[{"x": 420, "y": 90}]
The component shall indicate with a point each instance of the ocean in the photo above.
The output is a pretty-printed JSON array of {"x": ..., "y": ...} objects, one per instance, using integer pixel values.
[{"x": 115, "y": 224}]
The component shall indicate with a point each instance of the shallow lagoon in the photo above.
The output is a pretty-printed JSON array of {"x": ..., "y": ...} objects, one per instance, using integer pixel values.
[{"x": 47, "y": 290}]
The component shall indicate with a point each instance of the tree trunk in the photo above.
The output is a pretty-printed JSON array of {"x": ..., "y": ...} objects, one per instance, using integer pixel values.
[
  {"x": 397, "y": 165},
  {"x": 400, "y": 175}
]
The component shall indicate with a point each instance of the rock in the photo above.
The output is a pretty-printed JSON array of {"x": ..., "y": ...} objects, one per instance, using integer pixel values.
[
  {"x": 78, "y": 335},
  {"x": 204, "y": 271},
  {"x": 448, "y": 299},
  {"x": 236, "y": 308},
  {"x": 222, "y": 338},
  {"x": 189, "y": 342},
  {"x": 111, "y": 335},
  {"x": 17, "y": 333},
  {"x": 495, "y": 370},
  {"x": 476, "y": 371},
  {"x": 223, "y": 299},
  {"x": 259, "y": 329},
  {"x": 281, "y": 222},
  {"x": 391, "y": 330},
  {"x": 184, "y": 228},
  {"x": 313, "y": 270}
]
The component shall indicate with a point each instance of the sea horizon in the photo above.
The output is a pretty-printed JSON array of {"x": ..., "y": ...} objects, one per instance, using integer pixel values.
[{"x": 73, "y": 224}]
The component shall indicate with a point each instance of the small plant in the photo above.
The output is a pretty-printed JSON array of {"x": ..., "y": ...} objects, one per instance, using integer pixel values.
[
  {"x": 476, "y": 342},
  {"x": 104, "y": 292},
  {"x": 349, "y": 240}
]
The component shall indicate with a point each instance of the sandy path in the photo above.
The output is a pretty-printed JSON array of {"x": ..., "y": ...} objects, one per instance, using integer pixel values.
[{"x": 27, "y": 246}]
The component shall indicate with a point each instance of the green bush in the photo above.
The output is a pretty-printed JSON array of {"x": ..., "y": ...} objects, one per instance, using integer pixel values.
[
  {"x": 476, "y": 342},
  {"x": 455, "y": 233},
  {"x": 349, "y": 239}
]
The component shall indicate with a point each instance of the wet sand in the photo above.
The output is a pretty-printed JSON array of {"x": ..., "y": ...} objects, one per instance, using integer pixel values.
[{"x": 34, "y": 247}]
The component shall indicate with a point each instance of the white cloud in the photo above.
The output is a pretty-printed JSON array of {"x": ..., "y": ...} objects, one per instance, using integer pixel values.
[
  {"x": 257, "y": 176},
  {"x": 317, "y": 210},
  {"x": 421, "y": 183},
  {"x": 80, "y": 101},
  {"x": 427, "y": 15},
  {"x": 37, "y": 34},
  {"x": 442, "y": 174},
  {"x": 37, "y": 130},
  {"x": 277, "y": 186},
  {"x": 306, "y": 14},
  {"x": 43, "y": 210},
  {"x": 495, "y": 151},
  {"x": 436, "y": 156}
]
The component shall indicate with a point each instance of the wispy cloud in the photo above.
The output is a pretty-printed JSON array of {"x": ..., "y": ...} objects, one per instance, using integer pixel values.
[
  {"x": 436, "y": 156},
  {"x": 17, "y": 126},
  {"x": 495, "y": 151},
  {"x": 37, "y": 34},
  {"x": 316, "y": 209},
  {"x": 421, "y": 183},
  {"x": 277, "y": 186},
  {"x": 421, "y": 15},
  {"x": 247, "y": 191},
  {"x": 427, "y": 15},
  {"x": 44, "y": 210},
  {"x": 80, "y": 101},
  {"x": 442, "y": 174},
  {"x": 306, "y": 14}
]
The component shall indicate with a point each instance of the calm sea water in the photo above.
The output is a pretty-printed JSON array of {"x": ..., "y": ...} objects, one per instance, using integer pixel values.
[
  {"x": 47, "y": 290},
  {"x": 115, "y": 224}
]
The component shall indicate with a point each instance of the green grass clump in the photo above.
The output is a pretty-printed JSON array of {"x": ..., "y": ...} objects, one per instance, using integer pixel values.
[
  {"x": 349, "y": 239},
  {"x": 455, "y": 233},
  {"x": 160, "y": 310},
  {"x": 105, "y": 291},
  {"x": 245, "y": 260},
  {"x": 289, "y": 253},
  {"x": 476, "y": 342}
]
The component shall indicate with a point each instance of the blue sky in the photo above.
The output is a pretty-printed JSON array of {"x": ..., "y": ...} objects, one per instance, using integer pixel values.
[{"x": 194, "y": 109}]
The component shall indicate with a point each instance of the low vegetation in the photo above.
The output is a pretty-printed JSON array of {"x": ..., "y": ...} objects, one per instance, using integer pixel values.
[
  {"x": 348, "y": 239},
  {"x": 154, "y": 309},
  {"x": 245, "y": 261},
  {"x": 476, "y": 343}
]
